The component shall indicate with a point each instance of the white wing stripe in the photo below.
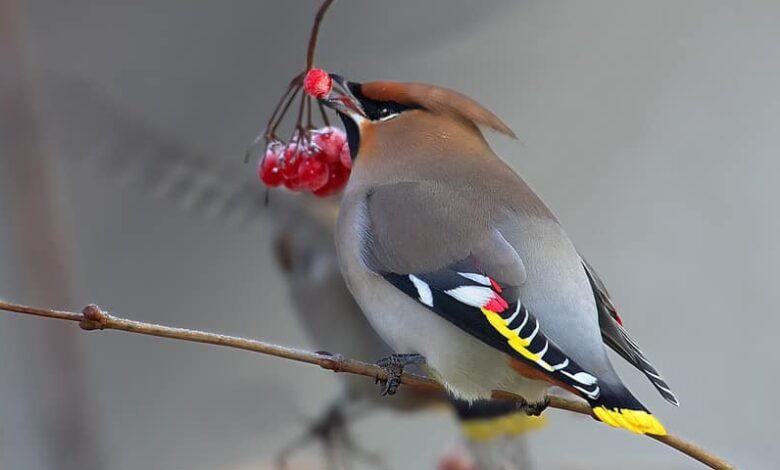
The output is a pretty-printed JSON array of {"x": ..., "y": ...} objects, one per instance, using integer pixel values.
[
  {"x": 484, "y": 280},
  {"x": 581, "y": 377},
  {"x": 592, "y": 395},
  {"x": 423, "y": 290},
  {"x": 544, "y": 349},
  {"x": 475, "y": 296},
  {"x": 533, "y": 335},
  {"x": 525, "y": 320},
  {"x": 517, "y": 311}
]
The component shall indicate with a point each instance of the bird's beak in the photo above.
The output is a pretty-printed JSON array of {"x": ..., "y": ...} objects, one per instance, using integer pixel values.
[{"x": 342, "y": 100}]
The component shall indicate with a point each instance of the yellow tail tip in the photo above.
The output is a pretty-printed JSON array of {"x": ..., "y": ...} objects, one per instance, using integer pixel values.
[
  {"x": 508, "y": 425},
  {"x": 637, "y": 421}
]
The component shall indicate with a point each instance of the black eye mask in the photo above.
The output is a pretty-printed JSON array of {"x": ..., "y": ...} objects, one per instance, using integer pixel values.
[{"x": 376, "y": 110}]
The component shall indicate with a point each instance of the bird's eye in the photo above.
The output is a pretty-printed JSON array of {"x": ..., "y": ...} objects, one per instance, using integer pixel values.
[
  {"x": 383, "y": 110},
  {"x": 385, "y": 114}
]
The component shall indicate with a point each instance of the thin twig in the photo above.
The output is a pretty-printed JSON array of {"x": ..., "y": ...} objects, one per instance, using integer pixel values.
[
  {"x": 283, "y": 105},
  {"x": 323, "y": 113},
  {"x": 93, "y": 318},
  {"x": 294, "y": 86},
  {"x": 272, "y": 133},
  {"x": 315, "y": 31}
]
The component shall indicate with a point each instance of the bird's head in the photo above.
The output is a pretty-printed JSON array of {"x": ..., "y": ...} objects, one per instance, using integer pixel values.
[{"x": 376, "y": 104}]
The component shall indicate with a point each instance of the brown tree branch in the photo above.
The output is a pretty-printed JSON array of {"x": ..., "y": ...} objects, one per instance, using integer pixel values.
[
  {"x": 315, "y": 32},
  {"x": 93, "y": 318}
]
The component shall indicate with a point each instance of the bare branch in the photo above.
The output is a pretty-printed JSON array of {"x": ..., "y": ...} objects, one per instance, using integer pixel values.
[
  {"x": 93, "y": 318},
  {"x": 315, "y": 32}
]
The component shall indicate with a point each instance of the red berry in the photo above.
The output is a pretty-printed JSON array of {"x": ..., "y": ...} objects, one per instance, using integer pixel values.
[
  {"x": 293, "y": 184},
  {"x": 313, "y": 173},
  {"x": 268, "y": 169},
  {"x": 329, "y": 140},
  {"x": 292, "y": 158},
  {"x": 317, "y": 83},
  {"x": 338, "y": 179},
  {"x": 345, "y": 156}
]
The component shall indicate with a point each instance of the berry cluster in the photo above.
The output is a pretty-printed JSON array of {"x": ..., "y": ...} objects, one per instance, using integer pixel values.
[
  {"x": 319, "y": 163},
  {"x": 313, "y": 159}
]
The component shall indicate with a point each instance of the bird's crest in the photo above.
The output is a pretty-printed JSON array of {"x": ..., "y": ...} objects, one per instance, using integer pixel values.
[{"x": 436, "y": 100}]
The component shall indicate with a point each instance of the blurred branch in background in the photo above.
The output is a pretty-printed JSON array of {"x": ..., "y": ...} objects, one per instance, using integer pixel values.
[
  {"x": 93, "y": 318},
  {"x": 50, "y": 402}
]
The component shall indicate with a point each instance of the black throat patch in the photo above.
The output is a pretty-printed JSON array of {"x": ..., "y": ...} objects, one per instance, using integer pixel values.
[{"x": 353, "y": 135}]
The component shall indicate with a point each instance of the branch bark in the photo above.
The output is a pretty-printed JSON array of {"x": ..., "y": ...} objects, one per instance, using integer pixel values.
[{"x": 93, "y": 318}]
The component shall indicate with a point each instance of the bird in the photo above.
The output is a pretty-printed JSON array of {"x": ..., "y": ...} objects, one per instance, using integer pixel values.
[
  {"x": 460, "y": 266},
  {"x": 305, "y": 252}
]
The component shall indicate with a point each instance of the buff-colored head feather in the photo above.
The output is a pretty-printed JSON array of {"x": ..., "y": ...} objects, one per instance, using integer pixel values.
[{"x": 437, "y": 100}]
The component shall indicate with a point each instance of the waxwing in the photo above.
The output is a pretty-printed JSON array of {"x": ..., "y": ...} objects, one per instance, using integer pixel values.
[
  {"x": 459, "y": 265},
  {"x": 306, "y": 253}
]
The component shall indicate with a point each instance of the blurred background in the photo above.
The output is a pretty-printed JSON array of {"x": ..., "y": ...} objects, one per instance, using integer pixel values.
[{"x": 650, "y": 128}]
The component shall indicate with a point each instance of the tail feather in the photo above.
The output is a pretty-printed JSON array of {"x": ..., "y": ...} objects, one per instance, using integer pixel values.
[
  {"x": 617, "y": 407},
  {"x": 616, "y": 336},
  {"x": 639, "y": 360}
]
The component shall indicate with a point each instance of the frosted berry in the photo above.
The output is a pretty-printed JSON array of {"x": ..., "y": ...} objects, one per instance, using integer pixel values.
[
  {"x": 313, "y": 172},
  {"x": 292, "y": 155},
  {"x": 293, "y": 184},
  {"x": 329, "y": 140},
  {"x": 337, "y": 180},
  {"x": 268, "y": 169},
  {"x": 317, "y": 83}
]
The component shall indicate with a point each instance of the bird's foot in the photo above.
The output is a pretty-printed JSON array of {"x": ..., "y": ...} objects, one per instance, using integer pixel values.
[
  {"x": 394, "y": 364},
  {"x": 535, "y": 409}
]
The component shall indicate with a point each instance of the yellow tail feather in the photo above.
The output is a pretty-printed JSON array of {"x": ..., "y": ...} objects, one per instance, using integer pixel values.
[
  {"x": 637, "y": 421},
  {"x": 508, "y": 425}
]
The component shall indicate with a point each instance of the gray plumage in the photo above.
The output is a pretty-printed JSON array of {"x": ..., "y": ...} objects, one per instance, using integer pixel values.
[{"x": 426, "y": 193}]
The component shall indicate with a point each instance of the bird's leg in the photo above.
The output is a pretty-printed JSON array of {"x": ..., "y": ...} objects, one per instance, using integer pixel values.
[
  {"x": 535, "y": 409},
  {"x": 331, "y": 430},
  {"x": 342, "y": 449},
  {"x": 319, "y": 431},
  {"x": 394, "y": 364},
  {"x": 284, "y": 455}
]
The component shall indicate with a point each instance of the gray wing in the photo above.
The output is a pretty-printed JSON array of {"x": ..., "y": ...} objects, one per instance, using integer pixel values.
[
  {"x": 424, "y": 226},
  {"x": 443, "y": 250}
]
